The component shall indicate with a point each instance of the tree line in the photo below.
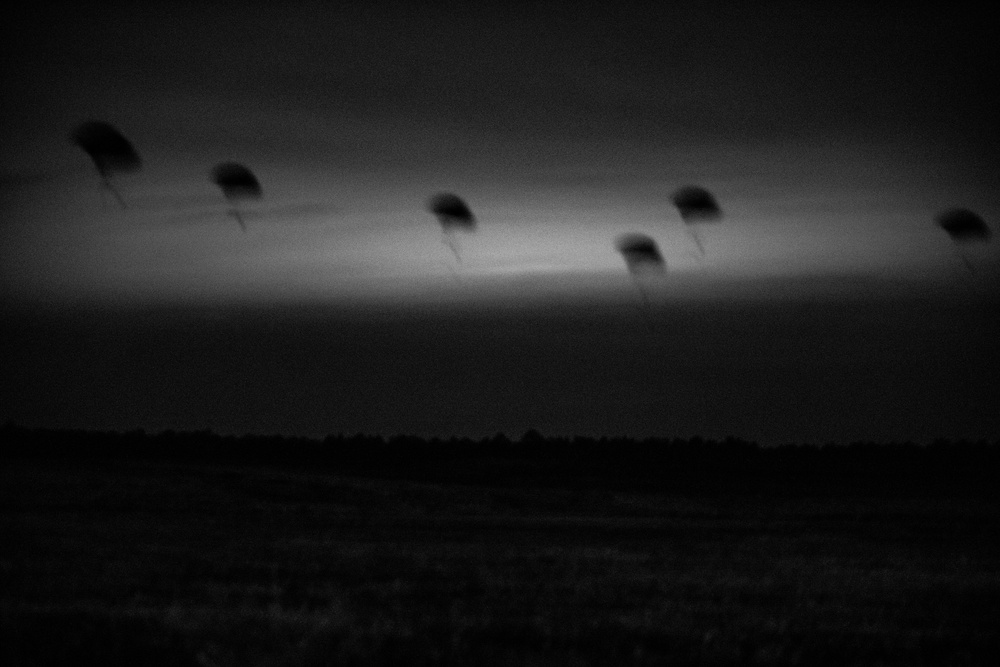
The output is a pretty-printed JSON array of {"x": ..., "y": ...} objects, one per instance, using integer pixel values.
[{"x": 729, "y": 465}]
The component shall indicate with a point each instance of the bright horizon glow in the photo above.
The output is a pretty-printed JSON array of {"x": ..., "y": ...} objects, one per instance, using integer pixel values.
[
  {"x": 556, "y": 150},
  {"x": 177, "y": 239}
]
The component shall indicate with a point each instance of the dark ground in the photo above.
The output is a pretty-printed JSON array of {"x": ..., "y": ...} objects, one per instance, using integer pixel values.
[
  {"x": 210, "y": 563},
  {"x": 793, "y": 370}
]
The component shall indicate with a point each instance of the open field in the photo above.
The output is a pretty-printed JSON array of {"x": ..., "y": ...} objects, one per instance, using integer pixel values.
[{"x": 160, "y": 563}]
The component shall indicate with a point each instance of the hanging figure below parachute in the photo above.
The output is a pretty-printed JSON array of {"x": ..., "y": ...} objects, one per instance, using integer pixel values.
[
  {"x": 643, "y": 261},
  {"x": 455, "y": 216},
  {"x": 238, "y": 184},
  {"x": 696, "y": 205},
  {"x": 110, "y": 150}
]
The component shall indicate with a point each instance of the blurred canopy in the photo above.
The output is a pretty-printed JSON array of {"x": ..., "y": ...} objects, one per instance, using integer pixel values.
[
  {"x": 696, "y": 204},
  {"x": 107, "y": 147},
  {"x": 640, "y": 253},
  {"x": 452, "y": 212},
  {"x": 963, "y": 225},
  {"x": 236, "y": 181}
]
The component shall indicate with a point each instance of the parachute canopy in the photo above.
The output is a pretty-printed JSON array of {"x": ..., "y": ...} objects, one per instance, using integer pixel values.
[
  {"x": 236, "y": 181},
  {"x": 696, "y": 204},
  {"x": 453, "y": 213},
  {"x": 641, "y": 254},
  {"x": 107, "y": 147},
  {"x": 962, "y": 225}
]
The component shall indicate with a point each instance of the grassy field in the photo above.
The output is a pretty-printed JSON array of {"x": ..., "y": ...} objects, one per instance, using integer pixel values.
[{"x": 197, "y": 564}]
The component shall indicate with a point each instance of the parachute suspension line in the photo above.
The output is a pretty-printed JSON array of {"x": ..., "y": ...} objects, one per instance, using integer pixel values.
[
  {"x": 451, "y": 240},
  {"x": 235, "y": 212},
  {"x": 646, "y": 307},
  {"x": 965, "y": 260},
  {"x": 976, "y": 288},
  {"x": 693, "y": 233},
  {"x": 114, "y": 193}
]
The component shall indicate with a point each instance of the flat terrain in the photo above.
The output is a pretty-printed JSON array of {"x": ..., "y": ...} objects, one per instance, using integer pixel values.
[{"x": 198, "y": 564}]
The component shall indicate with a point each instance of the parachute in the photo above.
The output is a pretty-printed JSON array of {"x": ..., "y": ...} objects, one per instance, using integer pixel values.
[
  {"x": 455, "y": 216},
  {"x": 642, "y": 257},
  {"x": 643, "y": 260},
  {"x": 237, "y": 183},
  {"x": 964, "y": 227},
  {"x": 110, "y": 150},
  {"x": 696, "y": 205}
]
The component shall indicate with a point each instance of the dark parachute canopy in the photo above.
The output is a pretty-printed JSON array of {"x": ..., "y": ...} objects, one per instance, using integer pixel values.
[
  {"x": 107, "y": 147},
  {"x": 110, "y": 151},
  {"x": 962, "y": 225},
  {"x": 452, "y": 212},
  {"x": 696, "y": 204},
  {"x": 641, "y": 254},
  {"x": 237, "y": 183},
  {"x": 454, "y": 215}
]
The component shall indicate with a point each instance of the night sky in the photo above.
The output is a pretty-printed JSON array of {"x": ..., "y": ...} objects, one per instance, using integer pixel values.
[{"x": 828, "y": 305}]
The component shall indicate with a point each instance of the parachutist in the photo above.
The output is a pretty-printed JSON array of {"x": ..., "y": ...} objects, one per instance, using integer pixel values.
[
  {"x": 237, "y": 183},
  {"x": 110, "y": 151},
  {"x": 455, "y": 216},
  {"x": 643, "y": 259},
  {"x": 696, "y": 205},
  {"x": 964, "y": 227}
]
